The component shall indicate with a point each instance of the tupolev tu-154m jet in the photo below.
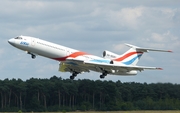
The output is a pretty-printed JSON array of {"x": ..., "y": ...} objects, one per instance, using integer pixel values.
[{"x": 76, "y": 62}]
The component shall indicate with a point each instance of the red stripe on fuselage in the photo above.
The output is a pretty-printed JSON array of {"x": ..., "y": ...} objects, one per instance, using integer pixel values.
[
  {"x": 126, "y": 56},
  {"x": 73, "y": 55}
]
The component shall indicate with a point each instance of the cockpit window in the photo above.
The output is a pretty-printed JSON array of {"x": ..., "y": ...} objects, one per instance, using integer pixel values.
[{"x": 18, "y": 38}]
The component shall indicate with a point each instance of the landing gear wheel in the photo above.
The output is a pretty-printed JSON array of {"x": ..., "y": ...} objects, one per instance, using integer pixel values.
[
  {"x": 72, "y": 77},
  {"x": 74, "y": 74},
  {"x": 102, "y": 76},
  {"x": 33, "y": 56}
]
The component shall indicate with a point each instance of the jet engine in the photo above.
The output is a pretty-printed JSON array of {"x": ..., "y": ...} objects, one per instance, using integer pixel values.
[{"x": 109, "y": 55}]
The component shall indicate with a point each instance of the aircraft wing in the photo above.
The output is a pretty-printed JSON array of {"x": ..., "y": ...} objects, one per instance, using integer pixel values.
[
  {"x": 80, "y": 66},
  {"x": 73, "y": 65},
  {"x": 109, "y": 67}
]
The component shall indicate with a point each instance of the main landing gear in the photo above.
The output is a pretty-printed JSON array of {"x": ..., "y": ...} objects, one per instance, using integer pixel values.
[
  {"x": 74, "y": 74},
  {"x": 103, "y": 75}
]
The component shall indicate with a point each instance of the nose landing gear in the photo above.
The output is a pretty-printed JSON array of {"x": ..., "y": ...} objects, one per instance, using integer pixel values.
[{"x": 33, "y": 56}]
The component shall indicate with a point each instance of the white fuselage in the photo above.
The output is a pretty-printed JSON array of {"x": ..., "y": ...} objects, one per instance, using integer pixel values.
[
  {"x": 50, "y": 50},
  {"x": 57, "y": 52}
]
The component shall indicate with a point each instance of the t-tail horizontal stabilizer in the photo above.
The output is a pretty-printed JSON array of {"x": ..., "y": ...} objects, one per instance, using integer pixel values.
[{"x": 146, "y": 49}]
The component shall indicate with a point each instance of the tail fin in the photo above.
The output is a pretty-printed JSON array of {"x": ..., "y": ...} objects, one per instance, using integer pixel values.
[{"x": 133, "y": 55}]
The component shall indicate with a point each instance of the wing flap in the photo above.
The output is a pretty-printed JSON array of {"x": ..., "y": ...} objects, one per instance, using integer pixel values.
[
  {"x": 73, "y": 65},
  {"x": 120, "y": 67}
]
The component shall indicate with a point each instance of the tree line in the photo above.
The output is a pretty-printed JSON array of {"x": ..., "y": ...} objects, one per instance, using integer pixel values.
[{"x": 57, "y": 94}]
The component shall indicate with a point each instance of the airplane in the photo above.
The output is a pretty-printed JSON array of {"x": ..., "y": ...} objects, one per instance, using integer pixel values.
[{"x": 76, "y": 62}]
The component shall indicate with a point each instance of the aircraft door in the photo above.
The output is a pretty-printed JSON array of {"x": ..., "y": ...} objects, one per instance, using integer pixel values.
[
  {"x": 68, "y": 52},
  {"x": 33, "y": 41}
]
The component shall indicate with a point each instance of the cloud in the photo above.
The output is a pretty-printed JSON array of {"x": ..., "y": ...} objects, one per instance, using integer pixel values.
[
  {"x": 164, "y": 40},
  {"x": 126, "y": 17},
  {"x": 119, "y": 47}
]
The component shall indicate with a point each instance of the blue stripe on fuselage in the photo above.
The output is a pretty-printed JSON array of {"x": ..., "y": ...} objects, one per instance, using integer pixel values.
[
  {"x": 132, "y": 60},
  {"x": 100, "y": 61}
]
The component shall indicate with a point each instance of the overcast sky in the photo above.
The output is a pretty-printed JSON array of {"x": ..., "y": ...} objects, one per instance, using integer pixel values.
[{"x": 92, "y": 26}]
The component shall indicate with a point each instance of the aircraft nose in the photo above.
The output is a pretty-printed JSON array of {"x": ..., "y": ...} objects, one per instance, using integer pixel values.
[{"x": 11, "y": 41}]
